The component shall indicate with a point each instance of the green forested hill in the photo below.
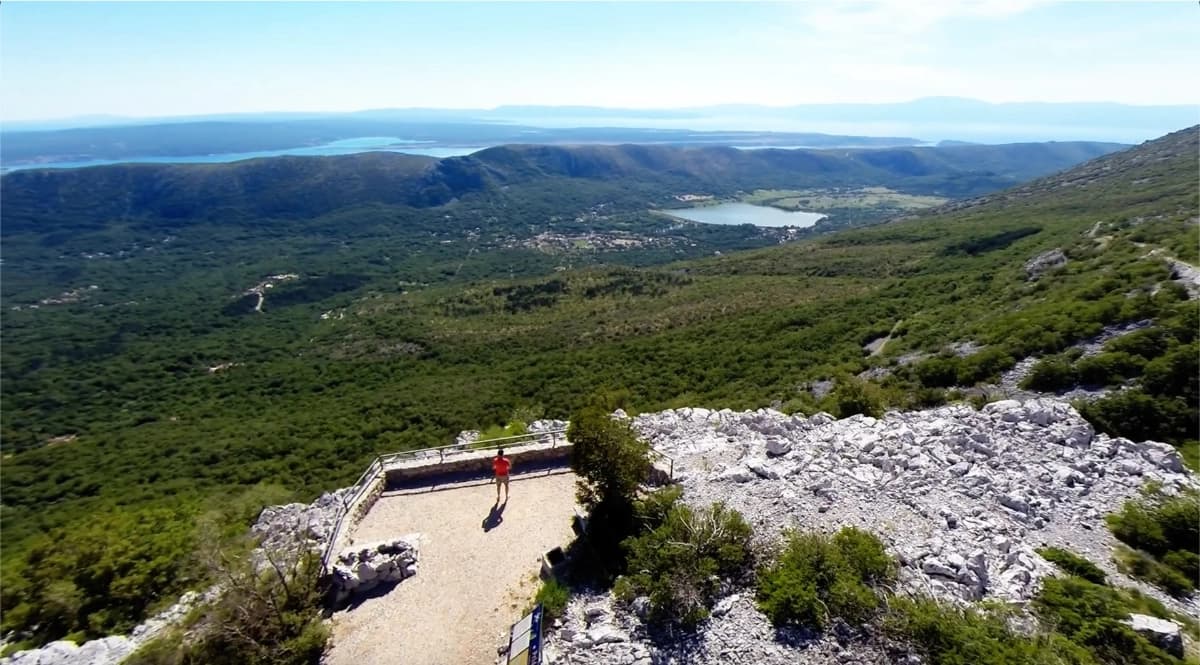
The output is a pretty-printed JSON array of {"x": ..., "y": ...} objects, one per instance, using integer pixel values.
[
  {"x": 303, "y": 187},
  {"x": 162, "y": 393}
]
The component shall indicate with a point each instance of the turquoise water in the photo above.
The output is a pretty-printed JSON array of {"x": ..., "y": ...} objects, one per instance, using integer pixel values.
[
  {"x": 744, "y": 213},
  {"x": 343, "y": 147}
]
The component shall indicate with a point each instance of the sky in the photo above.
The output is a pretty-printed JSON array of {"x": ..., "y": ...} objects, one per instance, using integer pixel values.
[{"x": 144, "y": 59}]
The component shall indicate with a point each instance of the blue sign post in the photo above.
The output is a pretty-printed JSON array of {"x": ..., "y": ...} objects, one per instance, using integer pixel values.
[{"x": 525, "y": 639}]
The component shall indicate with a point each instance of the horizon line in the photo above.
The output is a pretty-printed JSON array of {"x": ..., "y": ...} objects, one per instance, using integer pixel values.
[{"x": 499, "y": 107}]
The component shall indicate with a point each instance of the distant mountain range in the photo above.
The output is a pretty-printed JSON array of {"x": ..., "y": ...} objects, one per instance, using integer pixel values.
[{"x": 920, "y": 122}]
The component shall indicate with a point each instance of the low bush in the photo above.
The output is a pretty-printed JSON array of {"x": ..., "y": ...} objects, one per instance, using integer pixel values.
[
  {"x": 100, "y": 575},
  {"x": 1091, "y": 615},
  {"x": 1050, "y": 374},
  {"x": 1148, "y": 343},
  {"x": 1137, "y": 415},
  {"x": 937, "y": 372},
  {"x": 853, "y": 396},
  {"x": 1073, "y": 564},
  {"x": 984, "y": 366},
  {"x": 817, "y": 577},
  {"x": 1141, "y": 565},
  {"x": 552, "y": 596},
  {"x": 262, "y": 617},
  {"x": 491, "y": 434},
  {"x": 1166, "y": 531},
  {"x": 949, "y": 635},
  {"x": 681, "y": 564},
  {"x": 1107, "y": 369}
]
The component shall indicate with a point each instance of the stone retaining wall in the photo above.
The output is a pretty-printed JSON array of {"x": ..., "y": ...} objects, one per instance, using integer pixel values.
[{"x": 474, "y": 463}]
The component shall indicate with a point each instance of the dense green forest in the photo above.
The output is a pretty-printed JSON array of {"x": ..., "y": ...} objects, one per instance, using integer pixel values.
[{"x": 433, "y": 307}]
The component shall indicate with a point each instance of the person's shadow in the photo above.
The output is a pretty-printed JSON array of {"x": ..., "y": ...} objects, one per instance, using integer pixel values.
[{"x": 495, "y": 516}]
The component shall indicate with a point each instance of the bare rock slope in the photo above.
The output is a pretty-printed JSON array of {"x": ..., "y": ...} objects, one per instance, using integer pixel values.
[{"x": 961, "y": 497}]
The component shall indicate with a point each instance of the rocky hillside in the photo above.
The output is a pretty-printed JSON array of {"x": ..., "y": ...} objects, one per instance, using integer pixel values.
[
  {"x": 961, "y": 497},
  {"x": 1176, "y": 150}
]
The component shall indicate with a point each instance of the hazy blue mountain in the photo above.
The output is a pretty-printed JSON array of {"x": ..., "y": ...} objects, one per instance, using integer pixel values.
[{"x": 927, "y": 120}]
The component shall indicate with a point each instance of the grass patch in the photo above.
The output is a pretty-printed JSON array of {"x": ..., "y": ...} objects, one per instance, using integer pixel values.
[{"x": 1073, "y": 564}]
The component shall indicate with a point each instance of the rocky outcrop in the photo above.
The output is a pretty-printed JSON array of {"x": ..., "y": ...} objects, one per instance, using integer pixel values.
[
  {"x": 96, "y": 652},
  {"x": 465, "y": 438},
  {"x": 1010, "y": 380},
  {"x": 1187, "y": 276},
  {"x": 1044, "y": 263},
  {"x": 961, "y": 497},
  {"x": 367, "y": 567},
  {"x": 115, "y": 648},
  {"x": 283, "y": 527},
  {"x": 595, "y": 632},
  {"x": 1160, "y": 632}
]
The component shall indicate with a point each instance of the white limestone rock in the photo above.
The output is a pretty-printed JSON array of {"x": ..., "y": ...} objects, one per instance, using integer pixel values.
[
  {"x": 1045, "y": 262},
  {"x": 1160, "y": 632},
  {"x": 365, "y": 567}
]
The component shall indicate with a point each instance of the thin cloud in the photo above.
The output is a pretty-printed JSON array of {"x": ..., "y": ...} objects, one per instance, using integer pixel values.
[{"x": 902, "y": 18}]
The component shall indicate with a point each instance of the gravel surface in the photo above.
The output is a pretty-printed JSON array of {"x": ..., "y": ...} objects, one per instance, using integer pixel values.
[{"x": 471, "y": 584}]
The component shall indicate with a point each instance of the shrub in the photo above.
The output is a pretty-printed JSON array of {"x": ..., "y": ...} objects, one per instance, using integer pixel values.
[
  {"x": 681, "y": 563},
  {"x": 865, "y": 555},
  {"x": 611, "y": 463},
  {"x": 926, "y": 398},
  {"x": 955, "y": 636},
  {"x": 608, "y": 456},
  {"x": 552, "y": 596},
  {"x": 1186, "y": 562},
  {"x": 1050, "y": 374},
  {"x": 816, "y": 575},
  {"x": 1137, "y": 415},
  {"x": 1148, "y": 343},
  {"x": 652, "y": 510},
  {"x": 984, "y": 366},
  {"x": 100, "y": 575},
  {"x": 1090, "y": 615},
  {"x": 938, "y": 372},
  {"x": 1073, "y": 564},
  {"x": 852, "y": 396},
  {"x": 1175, "y": 373},
  {"x": 1166, "y": 530},
  {"x": 487, "y": 436},
  {"x": 269, "y": 617},
  {"x": 1108, "y": 369}
]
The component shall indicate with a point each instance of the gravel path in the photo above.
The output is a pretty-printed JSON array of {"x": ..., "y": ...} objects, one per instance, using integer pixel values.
[{"x": 471, "y": 585}]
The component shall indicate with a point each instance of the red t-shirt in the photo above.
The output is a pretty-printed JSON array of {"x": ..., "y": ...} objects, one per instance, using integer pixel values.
[{"x": 500, "y": 465}]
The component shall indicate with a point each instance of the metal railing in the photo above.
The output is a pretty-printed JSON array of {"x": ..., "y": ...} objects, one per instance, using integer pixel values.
[
  {"x": 555, "y": 437},
  {"x": 381, "y": 463},
  {"x": 656, "y": 453}
]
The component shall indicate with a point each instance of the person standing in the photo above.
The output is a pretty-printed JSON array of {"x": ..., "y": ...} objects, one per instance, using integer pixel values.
[{"x": 501, "y": 466}]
